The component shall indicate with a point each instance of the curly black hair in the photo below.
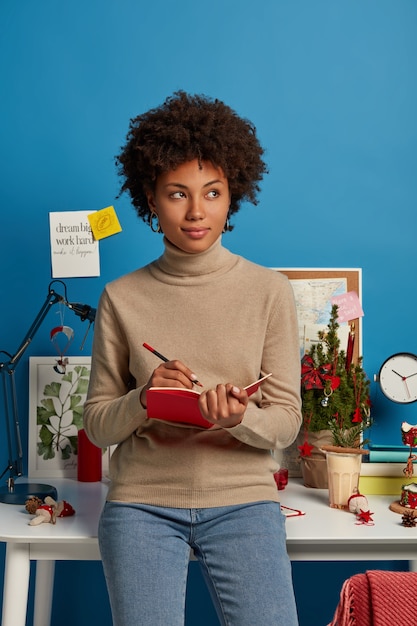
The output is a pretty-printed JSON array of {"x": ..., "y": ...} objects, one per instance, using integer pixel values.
[{"x": 187, "y": 127}]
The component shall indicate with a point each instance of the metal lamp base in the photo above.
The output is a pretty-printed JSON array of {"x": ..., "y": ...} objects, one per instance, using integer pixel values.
[{"x": 20, "y": 492}]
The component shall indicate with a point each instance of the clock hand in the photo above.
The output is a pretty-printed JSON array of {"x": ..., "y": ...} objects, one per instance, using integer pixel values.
[
  {"x": 409, "y": 376},
  {"x": 402, "y": 377}
]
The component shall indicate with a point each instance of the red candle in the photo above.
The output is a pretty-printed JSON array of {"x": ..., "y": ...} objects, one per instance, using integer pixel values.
[
  {"x": 281, "y": 478},
  {"x": 89, "y": 459},
  {"x": 350, "y": 345}
]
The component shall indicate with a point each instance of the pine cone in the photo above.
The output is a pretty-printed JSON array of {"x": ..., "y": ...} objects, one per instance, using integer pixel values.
[{"x": 408, "y": 519}]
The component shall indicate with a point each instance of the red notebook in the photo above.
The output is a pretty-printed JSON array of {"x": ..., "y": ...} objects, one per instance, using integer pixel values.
[{"x": 173, "y": 404}]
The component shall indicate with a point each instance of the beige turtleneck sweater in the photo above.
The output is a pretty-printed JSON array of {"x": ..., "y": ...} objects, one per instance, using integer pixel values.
[{"x": 228, "y": 320}]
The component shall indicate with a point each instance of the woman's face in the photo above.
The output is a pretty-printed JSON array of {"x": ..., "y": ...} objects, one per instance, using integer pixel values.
[{"x": 192, "y": 204}]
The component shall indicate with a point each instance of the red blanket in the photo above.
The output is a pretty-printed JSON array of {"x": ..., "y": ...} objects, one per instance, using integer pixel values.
[{"x": 377, "y": 598}]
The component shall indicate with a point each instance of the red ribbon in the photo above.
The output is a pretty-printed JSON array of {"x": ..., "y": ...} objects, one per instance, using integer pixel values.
[{"x": 314, "y": 377}]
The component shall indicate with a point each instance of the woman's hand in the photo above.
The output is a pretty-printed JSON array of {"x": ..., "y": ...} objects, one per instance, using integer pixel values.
[
  {"x": 225, "y": 405},
  {"x": 169, "y": 374}
]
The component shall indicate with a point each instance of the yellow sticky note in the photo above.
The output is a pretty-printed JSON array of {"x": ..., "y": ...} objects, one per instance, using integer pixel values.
[{"x": 104, "y": 223}]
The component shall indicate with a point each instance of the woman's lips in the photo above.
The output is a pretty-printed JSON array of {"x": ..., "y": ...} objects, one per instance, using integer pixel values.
[{"x": 196, "y": 233}]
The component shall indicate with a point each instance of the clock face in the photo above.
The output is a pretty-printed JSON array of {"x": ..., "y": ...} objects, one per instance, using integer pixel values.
[{"x": 398, "y": 377}]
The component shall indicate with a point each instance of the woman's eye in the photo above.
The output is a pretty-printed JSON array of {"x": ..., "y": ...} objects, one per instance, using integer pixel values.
[
  {"x": 213, "y": 193},
  {"x": 177, "y": 195}
]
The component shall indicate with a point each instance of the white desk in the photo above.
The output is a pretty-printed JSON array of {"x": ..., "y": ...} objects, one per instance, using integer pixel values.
[
  {"x": 323, "y": 534},
  {"x": 71, "y": 538}
]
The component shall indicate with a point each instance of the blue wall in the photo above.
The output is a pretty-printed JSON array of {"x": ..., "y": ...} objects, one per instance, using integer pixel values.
[{"x": 332, "y": 88}]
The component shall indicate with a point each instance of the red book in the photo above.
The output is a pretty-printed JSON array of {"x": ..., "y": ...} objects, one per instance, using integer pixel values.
[{"x": 173, "y": 404}]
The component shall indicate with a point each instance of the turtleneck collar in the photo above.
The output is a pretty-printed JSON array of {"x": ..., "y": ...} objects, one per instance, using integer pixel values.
[{"x": 175, "y": 264}]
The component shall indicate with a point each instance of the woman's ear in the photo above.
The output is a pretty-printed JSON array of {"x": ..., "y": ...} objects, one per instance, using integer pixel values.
[{"x": 151, "y": 201}]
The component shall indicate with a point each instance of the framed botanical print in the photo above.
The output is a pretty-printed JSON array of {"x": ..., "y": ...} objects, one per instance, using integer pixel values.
[{"x": 56, "y": 404}]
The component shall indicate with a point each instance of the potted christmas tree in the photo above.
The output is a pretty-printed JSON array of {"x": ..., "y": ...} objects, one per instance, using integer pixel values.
[{"x": 335, "y": 404}]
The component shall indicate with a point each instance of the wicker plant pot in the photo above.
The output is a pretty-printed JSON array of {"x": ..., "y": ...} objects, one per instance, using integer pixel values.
[{"x": 314, "y": 467}]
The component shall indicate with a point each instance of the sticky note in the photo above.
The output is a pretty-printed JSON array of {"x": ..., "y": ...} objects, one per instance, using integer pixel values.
[
  {"x": 349, "y": 306},
  {"x": 104, "y": 223}
]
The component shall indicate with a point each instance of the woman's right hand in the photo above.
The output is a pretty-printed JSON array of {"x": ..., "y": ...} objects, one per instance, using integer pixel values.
[{"x": 169, "y": 374}]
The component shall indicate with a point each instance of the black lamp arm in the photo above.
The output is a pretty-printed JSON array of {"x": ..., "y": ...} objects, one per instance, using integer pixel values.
[
  {"x": 51, "y": 299},
  {"x": 7, "y": 367}
]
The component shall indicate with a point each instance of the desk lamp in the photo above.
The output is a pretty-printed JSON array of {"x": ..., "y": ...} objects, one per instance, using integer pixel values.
[{"x": 18, "y": 493}]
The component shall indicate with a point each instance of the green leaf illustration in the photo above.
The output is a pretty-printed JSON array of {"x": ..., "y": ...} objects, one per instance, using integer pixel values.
[
  {"x": 52, "y": 390},
  {"x": 60, "y": 414}
]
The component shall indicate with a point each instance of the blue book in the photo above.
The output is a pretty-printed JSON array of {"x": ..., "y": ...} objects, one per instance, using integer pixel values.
[{"x": 388, "y": 454}]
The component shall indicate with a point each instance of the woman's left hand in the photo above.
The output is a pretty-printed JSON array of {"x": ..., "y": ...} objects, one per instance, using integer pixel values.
[{"x": 225, "y": 405}]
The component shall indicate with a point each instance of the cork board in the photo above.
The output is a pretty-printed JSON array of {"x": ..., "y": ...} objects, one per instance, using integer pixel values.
[{"x": 315, "y": 278}]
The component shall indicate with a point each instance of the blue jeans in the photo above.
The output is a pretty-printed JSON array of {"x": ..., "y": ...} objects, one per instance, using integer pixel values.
[{"x": 241, "y": 549}]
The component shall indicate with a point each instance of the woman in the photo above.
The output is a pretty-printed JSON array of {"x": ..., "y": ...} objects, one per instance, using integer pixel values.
[{"x": 225, "y": 321}]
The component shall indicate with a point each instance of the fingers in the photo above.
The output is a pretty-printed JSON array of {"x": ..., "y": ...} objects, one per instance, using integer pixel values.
[
  {"x": 172, "y": 374},
  {"x": 169, "y": 374},
  {"x": 224, "y": 405}
]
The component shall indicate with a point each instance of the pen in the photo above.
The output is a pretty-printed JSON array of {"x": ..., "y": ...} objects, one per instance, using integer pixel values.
[{"x": 165, "y": 359}]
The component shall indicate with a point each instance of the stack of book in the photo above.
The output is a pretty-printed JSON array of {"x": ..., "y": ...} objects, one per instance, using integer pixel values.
[{"x": 388, "y": 454}]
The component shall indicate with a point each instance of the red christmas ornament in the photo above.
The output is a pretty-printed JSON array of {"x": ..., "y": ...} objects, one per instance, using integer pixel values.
[
  {"x": 305, "y": 449},
  {"x": 357, "y": 502},
  {"x": 364, "y": 517},
  {"x": 409, "y": 434},
  {"x": 335, "y": 381}
]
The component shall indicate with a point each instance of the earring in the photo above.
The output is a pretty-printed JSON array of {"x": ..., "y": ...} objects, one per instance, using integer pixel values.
[
  {"x": 152, "y": 214},
  {"x": 226, "y": 227}
]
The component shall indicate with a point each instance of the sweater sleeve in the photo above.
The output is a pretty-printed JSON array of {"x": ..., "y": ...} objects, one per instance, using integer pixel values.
[
  {"x": 273, "y": 416},
  {"x": 112, "y": 411}
]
